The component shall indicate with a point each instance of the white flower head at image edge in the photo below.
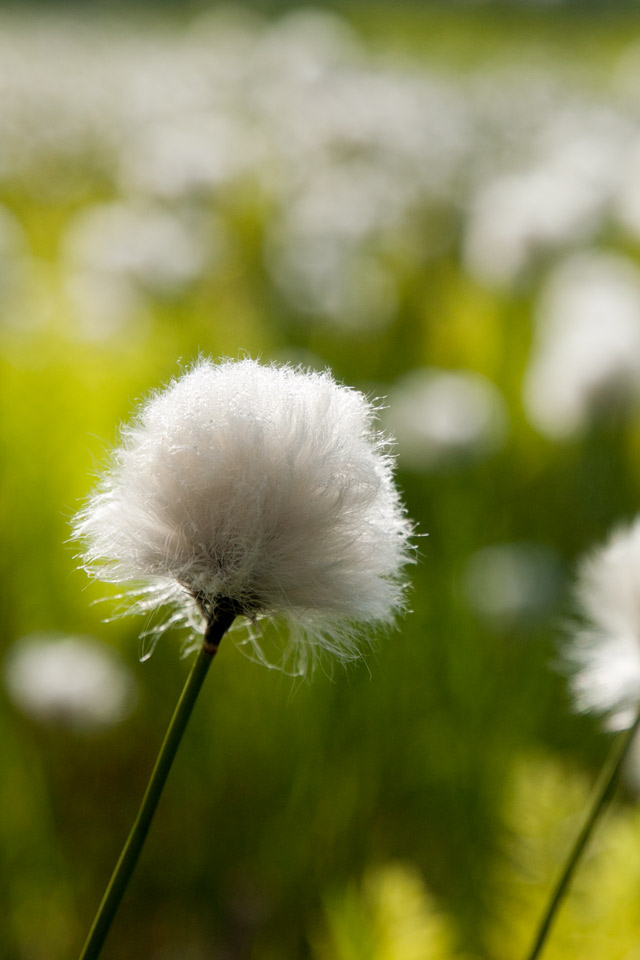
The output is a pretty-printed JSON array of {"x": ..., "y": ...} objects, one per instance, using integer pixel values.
[
  {"x": 605, "y": 652},
  {"x": 266, "y": 489}
]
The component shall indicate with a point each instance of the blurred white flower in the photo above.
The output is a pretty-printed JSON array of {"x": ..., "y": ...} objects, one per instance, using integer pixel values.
[
  {"x": 516, "y": 217},
  {"x": 586, "y": 354},
  {"x": 339, "y": 283},
  {"x": 149, "y": 245},
  {"x": 558, "y": 198},
  {"x": 117, "y": 254},
  {"x": 512, "y": 583},
  {"x": 606, "y": 651},
  {"x": 323, "y": 249},
  {"x": 191, "y": 154},
  {"x": 107, "y": 308},
  {"x": 262, "y": 488},
  {"x": 443, "y": 417},
  {"x": 626, "y": 206},
  {"x": 70, "y": 680}
]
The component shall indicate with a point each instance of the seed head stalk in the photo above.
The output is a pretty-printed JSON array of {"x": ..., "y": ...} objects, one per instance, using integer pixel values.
[
  {"x": 124, "y": 868},
  {"x": 602, "y": 796}
]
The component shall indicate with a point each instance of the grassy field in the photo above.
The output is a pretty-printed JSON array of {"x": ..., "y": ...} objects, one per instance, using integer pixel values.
[{"x": 418, "y": 200}]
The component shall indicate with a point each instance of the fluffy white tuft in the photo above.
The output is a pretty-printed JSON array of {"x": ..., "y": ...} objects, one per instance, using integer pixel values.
[
  {"x": 261, "y": 486},
  {"x": 75, "y": 681},
  {"x": 586, "y": 354},
  {"x": 606, "y": 653}
]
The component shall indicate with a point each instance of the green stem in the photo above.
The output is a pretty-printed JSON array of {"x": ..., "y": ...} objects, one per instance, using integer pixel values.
[
  {"x": 603, "y": 794},
  {"x": 131, "y": 850}
]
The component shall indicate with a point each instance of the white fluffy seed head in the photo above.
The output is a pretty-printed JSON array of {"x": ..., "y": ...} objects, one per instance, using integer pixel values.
[
  {"x": 606, "y": 652},
  {"x": 261, "y": 486},
  {"x": 74, "y": 681}
]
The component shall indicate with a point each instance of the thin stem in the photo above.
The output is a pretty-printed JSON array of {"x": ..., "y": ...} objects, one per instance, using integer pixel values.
[
  {"x": 602, "y": 796},
  {"x": 131, "y": 850}
]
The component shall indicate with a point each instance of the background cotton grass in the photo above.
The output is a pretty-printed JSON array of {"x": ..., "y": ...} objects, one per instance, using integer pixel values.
[
  {"x": 261, "y": 488},
  {"x": 70, "y": 680},
  {"x": 606, "y": 655},
  {"x": 606, "y": 651},
  {"x": 586, "y": 355},
  {"x": 512, "y": 584},
  {"x": 445, "y": 417}
]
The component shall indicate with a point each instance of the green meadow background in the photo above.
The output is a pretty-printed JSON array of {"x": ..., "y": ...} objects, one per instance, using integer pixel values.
[{"x": 383, "y": 190}]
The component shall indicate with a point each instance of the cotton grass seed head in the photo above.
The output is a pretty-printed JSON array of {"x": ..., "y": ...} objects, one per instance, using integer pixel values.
[
  {"x": 606, "y": 651},
  {"x": 263, "y": 488},
  {"x": 74, "y": 681}
]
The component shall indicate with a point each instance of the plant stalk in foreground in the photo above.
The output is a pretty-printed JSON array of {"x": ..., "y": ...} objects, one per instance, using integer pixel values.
[
  {"x": 107, "y": 910},
  {"x": 603, "y": 794}
]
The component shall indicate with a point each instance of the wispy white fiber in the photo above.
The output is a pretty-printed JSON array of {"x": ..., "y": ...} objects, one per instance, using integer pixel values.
[
  {"x": 606, "y": 652},
  {"x": 268, "y": 487}
]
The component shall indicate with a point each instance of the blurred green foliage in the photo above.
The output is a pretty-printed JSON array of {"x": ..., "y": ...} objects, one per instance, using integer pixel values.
[{"x": 371, "y": 812}]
